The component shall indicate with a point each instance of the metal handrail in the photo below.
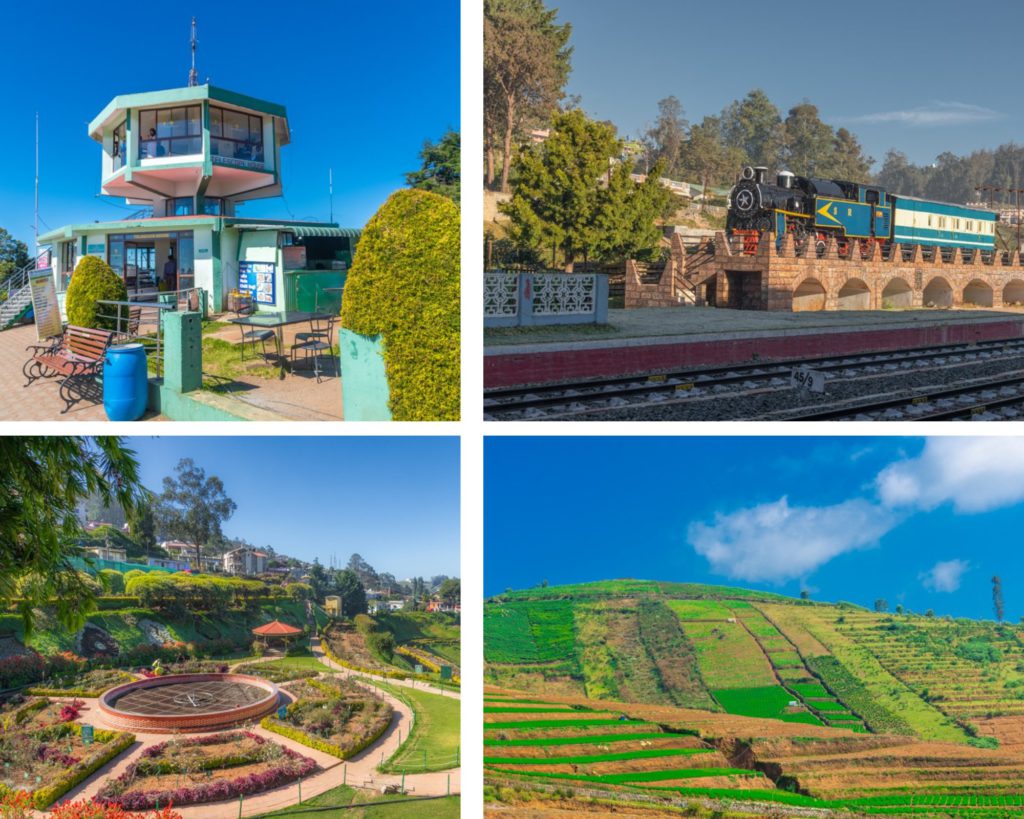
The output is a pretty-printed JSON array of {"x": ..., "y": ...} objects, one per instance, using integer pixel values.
[
  {"x": 147, "y": 329},
  {"x": 17, "y": 279}
]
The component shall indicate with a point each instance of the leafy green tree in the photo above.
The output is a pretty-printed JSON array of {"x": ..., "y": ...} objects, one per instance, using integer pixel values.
[
  {"x": 299, "y": 591},
  {"x": 111, "y": 580},
  {"x": 663, "y": 141},
  {"x": 192, "y": 507},
  {"x": 42, "y": 483},
  {"x": 570, "y": 194},
  {"x": 708, "y": 158},
  {"x": 440, "y": 170},
  {"x": 881, "y": 605},
  {"x": 319, "y": 580},
  {"x": 848, "y": 158},
  {"x": 808, "y": 143},
  {"x": 997, "y": 597},
  {"x": 13, "y": 254},
  {"x": 142, "y": 524},
  {"x": 451, "y": 591},
  {"x": 526, "y": 65},
  {"x": 754, "y": 126},
  {"x": 625, "y": 226},
  {"x": 351, "y": 592}
]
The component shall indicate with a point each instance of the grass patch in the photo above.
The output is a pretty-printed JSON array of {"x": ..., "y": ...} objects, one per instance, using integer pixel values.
[
  {"x": 586, "y": 739},
  {"x": 436, "y": 734},
  {"x": 591, "y": 758},
  {"x": 382, "y": 807},
  {"x": 560, "y": 723},
  {"x": 222, "y": 361},
  {"x": 769, "y": 702}
]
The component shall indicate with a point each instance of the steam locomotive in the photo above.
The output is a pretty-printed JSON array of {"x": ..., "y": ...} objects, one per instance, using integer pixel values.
[{"x": 816, "y": 209}]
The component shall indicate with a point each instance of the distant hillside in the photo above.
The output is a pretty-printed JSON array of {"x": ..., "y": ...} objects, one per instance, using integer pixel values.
[{"x": 761, "y": 655}]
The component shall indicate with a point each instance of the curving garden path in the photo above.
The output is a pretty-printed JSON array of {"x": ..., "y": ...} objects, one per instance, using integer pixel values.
[{"x": 359, "y": 771}]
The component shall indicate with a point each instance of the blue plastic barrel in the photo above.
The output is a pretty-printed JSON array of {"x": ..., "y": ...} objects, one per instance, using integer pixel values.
[{"x": 125, "y": 382}]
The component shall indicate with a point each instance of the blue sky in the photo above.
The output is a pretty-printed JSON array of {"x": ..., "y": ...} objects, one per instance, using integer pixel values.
[
  {"x": 364, "y": 84},
  {"x": 921, "y": 76},
  {"x": 925, "y": 523},
  {"x": 395, "y": 500}
]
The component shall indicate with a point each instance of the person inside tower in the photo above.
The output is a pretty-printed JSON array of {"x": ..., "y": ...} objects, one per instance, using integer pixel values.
[{"x": 171, "y": 273}]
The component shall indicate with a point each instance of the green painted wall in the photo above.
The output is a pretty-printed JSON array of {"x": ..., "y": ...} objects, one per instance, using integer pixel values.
[{"x": 364, "y": 382}]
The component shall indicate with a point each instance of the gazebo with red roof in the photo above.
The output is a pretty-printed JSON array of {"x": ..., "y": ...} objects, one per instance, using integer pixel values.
[{"x": 276, "y": 630}]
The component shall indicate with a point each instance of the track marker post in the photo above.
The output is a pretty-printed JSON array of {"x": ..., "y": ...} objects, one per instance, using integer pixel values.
[
  {"x": 449, "y": 792},
  {"x": 344, "y": 774},
  {"x": 240, "y": 798}
]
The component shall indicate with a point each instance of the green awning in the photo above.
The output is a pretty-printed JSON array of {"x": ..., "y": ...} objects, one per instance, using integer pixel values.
[{"x": 316, "y": 230}]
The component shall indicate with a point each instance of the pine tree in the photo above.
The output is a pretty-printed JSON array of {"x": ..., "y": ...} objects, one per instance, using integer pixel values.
[{"x": 997, "y": 597}]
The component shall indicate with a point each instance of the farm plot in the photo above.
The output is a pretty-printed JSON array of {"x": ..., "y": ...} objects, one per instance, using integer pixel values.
[
  {"x": 645, "y": 754},
  {"x": 770, "y": 702},
  {"x": 673, "y": 654},
  {"x": 700, "y": 609},
  {"x": 966, "y": 668},
  {"x": 727, "y": 656},
  {"x": 614, "y": 657},
  {"x": 856, "y": 676}
]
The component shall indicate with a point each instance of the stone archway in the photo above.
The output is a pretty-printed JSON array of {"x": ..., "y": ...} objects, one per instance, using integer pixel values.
[
  {"x": 854, "y": 295},
  {"x": 1013, "y": 293},
  {"x": 978, "y": 293},
  {"x": 937, "y": 293},
  {"x": 809, "y": 295},
  {"x": 897, "y": 293}
]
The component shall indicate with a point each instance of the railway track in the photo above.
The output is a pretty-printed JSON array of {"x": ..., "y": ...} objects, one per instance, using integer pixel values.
[
  {"x": 564, "y": 400},
  {"x": 991, "y": 399}
]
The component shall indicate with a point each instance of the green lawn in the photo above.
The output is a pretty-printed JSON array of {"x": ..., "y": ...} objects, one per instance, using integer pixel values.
[
  {"x": 434, "y": 744},
  {"x": 399, "y": 808}
]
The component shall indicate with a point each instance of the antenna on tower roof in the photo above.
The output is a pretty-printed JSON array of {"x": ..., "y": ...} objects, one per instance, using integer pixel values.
[{"x": 193, "y": 75}]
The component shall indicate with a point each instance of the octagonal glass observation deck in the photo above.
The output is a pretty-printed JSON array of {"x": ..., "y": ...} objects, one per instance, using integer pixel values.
[{"x": 198, "y": 142}]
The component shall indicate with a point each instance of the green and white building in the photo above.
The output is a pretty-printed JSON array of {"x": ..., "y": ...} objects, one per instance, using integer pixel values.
[{"x": 190, "y": 158}]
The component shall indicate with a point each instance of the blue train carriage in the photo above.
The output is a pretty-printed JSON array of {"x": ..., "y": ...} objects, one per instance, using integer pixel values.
[
  {"x": 920, "y": 222},
  {"x": 854, "y": 211}
]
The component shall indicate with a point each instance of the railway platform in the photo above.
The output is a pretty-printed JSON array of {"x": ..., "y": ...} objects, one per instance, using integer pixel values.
[{"x": 651, "y": 340}]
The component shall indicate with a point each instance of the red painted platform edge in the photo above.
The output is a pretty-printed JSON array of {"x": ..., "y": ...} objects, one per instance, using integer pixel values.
[{"x": 513, "y": 369}]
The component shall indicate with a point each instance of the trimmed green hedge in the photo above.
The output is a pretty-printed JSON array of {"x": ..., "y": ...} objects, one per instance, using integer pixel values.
[
  {"x": 404, "y": 286},
  {"x": 92, "y": 281},
  {"x": 118, "y": 744},
  {"x": 390, "y": 675}
]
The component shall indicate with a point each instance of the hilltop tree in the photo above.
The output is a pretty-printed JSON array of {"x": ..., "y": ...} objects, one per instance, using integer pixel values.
[
  {"x": 881, "y": 605},
  {"x": 899, "y": 176},
  {"x": 754, "y": 126},
  {"x": 451, "y": 591},
  {"x": 706, "y": 156},
  {"x": 899, "y": 608},
  {"x": 997, "y": 597},
  {"x": 440, "y": 169},
  {"x": 42, "y": 483},
  {"x": 807, "y": 141},
  {"x": 318, "y": 579},
  {"x": 526, "y": 65},
  {"x": 142, "y": 523},
  {"x": 663, "y": 140},
  {"x": 192, "y": 507},
  {"x": 362, "y": 569},
  {"x": 353, "y": 596}
]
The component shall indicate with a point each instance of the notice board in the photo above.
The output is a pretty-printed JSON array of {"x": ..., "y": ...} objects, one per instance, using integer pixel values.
[
  {"x": 44, "y": 304},
  {"x": 258, "y": 280}
]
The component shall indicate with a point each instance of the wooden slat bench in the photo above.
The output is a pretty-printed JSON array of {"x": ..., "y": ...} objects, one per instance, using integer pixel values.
[{"x": 76, "y": 358}]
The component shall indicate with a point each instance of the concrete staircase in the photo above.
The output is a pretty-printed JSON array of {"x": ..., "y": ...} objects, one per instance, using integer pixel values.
[{"x": 19, "y": 297}]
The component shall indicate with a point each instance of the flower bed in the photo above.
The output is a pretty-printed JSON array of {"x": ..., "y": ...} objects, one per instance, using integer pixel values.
[
  {"x": 336, "y": 717},
  {"x": 84, "y": 684},
  {"x": 276, "y": 674},
  {"x": 41, "y": 745},
  {"x": 390, "y": 675},
  {"x": 205, "y": 769}
]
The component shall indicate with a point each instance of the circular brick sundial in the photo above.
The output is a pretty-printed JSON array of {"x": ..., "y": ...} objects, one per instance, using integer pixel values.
[{"x": 189, "y": 702}]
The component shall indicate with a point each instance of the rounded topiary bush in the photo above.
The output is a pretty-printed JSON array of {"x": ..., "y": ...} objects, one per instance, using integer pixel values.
[
  {"x": 404, "y": 286},
  {"x": 94, "y": 280}
]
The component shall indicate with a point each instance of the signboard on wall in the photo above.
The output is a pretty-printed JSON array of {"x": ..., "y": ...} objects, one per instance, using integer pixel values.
[
  {"x": 94, "y": 249},
  {"x": 258, "y": 280},
  {"x": 44, "y": 304}
]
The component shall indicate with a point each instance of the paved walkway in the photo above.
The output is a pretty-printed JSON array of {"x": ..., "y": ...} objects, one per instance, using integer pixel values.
[
  {"x": 692, "y": 323},
  {"x": 358, "y": 772},
  {"x": 297, "y": 397}
]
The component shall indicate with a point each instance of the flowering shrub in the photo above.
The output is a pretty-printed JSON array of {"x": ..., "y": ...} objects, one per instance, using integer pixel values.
[
  {"x": 288, "y": 766},
  {"x": 94, "y": 810},
  {"x": 15, "y": 804},
  {"x": 20, "y": 670},
  {"x": 71, "y": 711}
]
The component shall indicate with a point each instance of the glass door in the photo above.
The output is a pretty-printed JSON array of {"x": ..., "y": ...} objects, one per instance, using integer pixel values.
[{"x": 140, "y": 268}]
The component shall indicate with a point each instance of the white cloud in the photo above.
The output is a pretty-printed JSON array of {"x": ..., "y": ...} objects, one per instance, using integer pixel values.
[
  {"x": 775, "y": 542},
  {"x": 936, "y": 113},
  {"x": 974, "y": 474},
  {"x": 944, "y": 576}
]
